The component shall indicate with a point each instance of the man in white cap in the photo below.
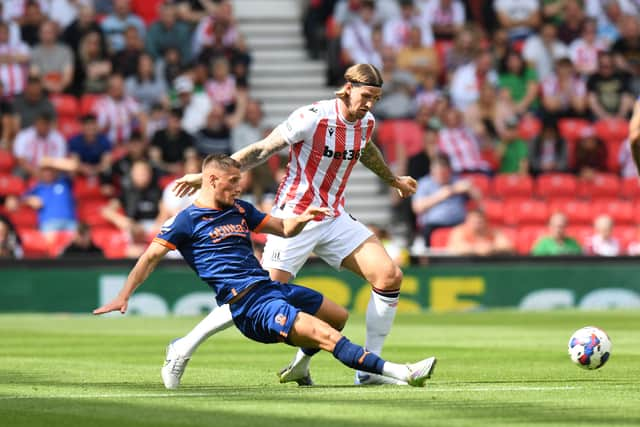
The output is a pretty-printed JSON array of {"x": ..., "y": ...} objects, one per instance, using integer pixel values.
[{"x": 195, "y": 106}]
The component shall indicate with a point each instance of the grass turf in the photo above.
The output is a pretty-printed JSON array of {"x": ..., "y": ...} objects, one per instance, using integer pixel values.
[{"x": 495, "y": 368}]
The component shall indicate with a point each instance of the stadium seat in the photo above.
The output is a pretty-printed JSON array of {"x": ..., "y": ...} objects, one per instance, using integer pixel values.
[
  {"x": 529, "y": 127},
  {"x": 626, "y": 234},
  {"x": 87, "y": 188},
  {"x": 612, "y": 130},
  {"x": 113, "y": 242},
  {"x": 65, "y": 105},
  {"x": 526, "y": 212},
  {"x": 527, "y": 236},
  {"x": 602, "y": 185},
  {"x": 11, "y": 185},
  {"x": 69, "y": 126},
  {"x": 440, "y": 237},
  {"x": 90, "y": 213},
  {"x": 395, "y": 135},
  {"x": 88, "y": 102},
  {"x": 621, "y": 211},
  {"x": 512, "y": 185},
  {"x": 494, "y": 211},
  {"x": 61, "y": 239},
  {"x": 556, "y": 185},
  {"x": 613, "y": 154},
  {"x": 578, "y": 212},
  {"x": 571, "y": 129},
  {"x": 24, "y": 217},
  {"x": 581, "y": 233},
  {"x": 7, "y": 161},
  {"x": 630, "y": 188},
  {"x": 146, "y": 9},
  {"x": 480, "y": 181},
  {"x": 34, "y": 243}
]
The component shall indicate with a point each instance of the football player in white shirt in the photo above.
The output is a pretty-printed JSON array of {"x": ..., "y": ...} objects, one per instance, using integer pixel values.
[{"x": 326, "y": 140}]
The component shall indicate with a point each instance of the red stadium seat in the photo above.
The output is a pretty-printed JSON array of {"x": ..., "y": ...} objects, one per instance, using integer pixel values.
[
  {"x": 480, "y": 181},
  {"x": 556, "y": 185},
  {"x": 146, "y": 9},
  {"x": 613, "y": 156},
  {"x": 88, "y": 103},
  {"x": 625, "y": 234},
  {"x": 65, "y": 105},
  {"x": 69, "y": 126},
  {"x": 61, "y": 239},
  {"x": 440, "y": 237},
  {"x": 87, "y": 188},
  {"x": 602, "y": 185},
  {"x": 494, "y": 210},
  {"x": 621, "y": 211},
  {"x": 395, "y": 135},
  {"x": 7, "y": 161},
  {"x": 612, "y": 130},
  {"x": 529, "y": 127},
  {"x": 630, "y": 188},
  {"x": 571, "y": 129},
  {"x": 24, "y": 217},
  {"x": 90, "y": 213},
  {"x": 166, "y": 180},
  {"x": 34, "y": 243},
  {"x": 578, "y": 212},
  {"x": 512, "y": 185},
  {"x": 11, "y": 185},
  {"x": 527, "y": 236},
  {"x": 581, "y": 233},
  {"x": 113, "y": 242},
  {"x": 526, "y": 212}
]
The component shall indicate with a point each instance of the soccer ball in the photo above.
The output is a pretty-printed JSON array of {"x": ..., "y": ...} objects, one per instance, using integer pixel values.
[{"x": 589, "y": 347}]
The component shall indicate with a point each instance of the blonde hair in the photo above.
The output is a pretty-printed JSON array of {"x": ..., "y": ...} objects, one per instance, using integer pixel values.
[{"x": 364, "y": 74}]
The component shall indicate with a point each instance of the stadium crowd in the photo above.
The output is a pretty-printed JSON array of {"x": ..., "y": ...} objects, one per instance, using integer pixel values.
[
  {"x": 511, "y": 113},
  {"x": 103, "y": 104}
]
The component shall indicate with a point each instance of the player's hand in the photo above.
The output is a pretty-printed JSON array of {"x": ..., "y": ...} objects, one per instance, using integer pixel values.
[
  {"x": 118, "y": 304},
  {"x": 188, "y": 184},
  {"x": 314, "y": 212},
  {"x": 405, "y": 186}
]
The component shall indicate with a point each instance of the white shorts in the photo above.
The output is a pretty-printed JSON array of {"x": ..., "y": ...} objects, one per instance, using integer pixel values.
[{"x": 332, "y": 240}]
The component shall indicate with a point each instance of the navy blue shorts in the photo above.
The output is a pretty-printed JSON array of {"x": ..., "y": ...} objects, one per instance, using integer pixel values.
[{"x": 266, "y": 314}]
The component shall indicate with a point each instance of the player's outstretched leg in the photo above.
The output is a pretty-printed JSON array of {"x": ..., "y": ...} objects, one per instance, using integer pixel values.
[
  {"x": 309, "y": 332},
  {"x": 179, "y": 351},
  {"x": 371, "y": 261},
  {"x": 298, "y": 369}
]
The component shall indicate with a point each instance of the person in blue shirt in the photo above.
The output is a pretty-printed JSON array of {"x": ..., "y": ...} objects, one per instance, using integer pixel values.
[
  {"x": 52, "y": 197},
  {"x": 91, "y": 148},
  {"x": 213, "y": 236}
]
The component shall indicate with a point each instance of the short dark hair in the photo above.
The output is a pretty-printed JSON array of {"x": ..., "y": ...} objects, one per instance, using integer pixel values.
[
  {"x": 45, "y": 116},
  {"x": 441, "y": 159},
  {"x": 222, "y": 161},
  {"x": 89, "y": 117}
]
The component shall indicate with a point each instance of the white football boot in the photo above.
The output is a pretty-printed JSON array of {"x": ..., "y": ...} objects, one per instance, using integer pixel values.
[
  {"x": 420, "y": 372},
  {"x": 365, "y": 378},
  {"x": 295, "y": 373},
  {"x": 174, "y": 366}
]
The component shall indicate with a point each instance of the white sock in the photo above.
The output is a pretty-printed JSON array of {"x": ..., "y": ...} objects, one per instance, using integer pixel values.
[
  {"x": 380, "y": 314},
  {"x": 301, "y": 360},
  {"x": 218, "y": 320},
  {"x": 395, "y": 370}
]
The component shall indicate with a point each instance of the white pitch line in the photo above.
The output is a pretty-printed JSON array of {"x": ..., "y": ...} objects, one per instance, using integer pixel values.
[{"x": 368, "y": 390}]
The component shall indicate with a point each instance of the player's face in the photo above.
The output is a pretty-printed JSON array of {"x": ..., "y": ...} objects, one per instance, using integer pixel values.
[
  {"x": 227, "y": 186},
  {"x": 362, "y": 99}
]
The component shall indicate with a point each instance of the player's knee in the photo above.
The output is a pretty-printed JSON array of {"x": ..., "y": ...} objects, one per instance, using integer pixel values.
[{"x": 390, "y": 278}]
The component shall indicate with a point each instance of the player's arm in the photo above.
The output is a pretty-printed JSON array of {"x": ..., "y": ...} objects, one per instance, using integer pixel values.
[
  {"x": 145, "y": 265},
  {"x": 290, "y": 227},
  {"x": 634, "y": 134},
  {"x": 248, "y": 157},
  {"x": 372, "y": 158}
]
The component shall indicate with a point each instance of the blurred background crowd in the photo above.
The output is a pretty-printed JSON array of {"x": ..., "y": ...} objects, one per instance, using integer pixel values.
[{"x": 512, "y": 115}]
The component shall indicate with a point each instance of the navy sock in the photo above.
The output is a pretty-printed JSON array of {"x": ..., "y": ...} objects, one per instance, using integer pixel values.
[
  {"x": 356, "y": 357},
  {"x": 309, "y": 351}
]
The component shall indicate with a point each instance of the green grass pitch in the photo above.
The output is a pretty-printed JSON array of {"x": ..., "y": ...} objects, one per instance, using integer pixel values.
[{"x": 495, "y": 368}]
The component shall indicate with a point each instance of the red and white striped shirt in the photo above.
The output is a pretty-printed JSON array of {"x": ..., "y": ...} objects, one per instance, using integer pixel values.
[
  {"x": 116, "y": 117},
  {"x": 32, "y": 147},
  {"x": 324, "y": 149},
  {"x": 462, "y": 148},
  {"x": 13, "y": 75}
]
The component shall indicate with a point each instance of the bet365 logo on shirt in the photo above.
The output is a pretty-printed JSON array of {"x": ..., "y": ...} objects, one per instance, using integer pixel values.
[{"x": 341, "y": 155}]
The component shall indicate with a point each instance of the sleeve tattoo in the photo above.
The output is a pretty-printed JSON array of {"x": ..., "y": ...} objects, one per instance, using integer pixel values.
[
  {"x": 372, "y": 158},
  {"x": 259, "y": 152}
]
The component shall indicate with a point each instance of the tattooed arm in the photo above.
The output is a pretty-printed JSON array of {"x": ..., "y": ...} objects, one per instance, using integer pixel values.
[
  {"x": 634, "y": 135},
  {"x": 259, "y": 152},
  {"x": 248, "y": 157},
  {"x": 372, "y": 158}
]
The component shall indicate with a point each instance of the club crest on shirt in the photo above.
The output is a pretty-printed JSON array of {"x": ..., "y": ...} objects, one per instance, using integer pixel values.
[{"x": 281, "y": 319}]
